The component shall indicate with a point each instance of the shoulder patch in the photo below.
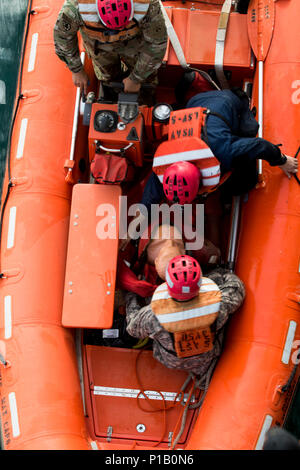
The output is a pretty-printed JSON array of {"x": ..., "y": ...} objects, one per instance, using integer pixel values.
[{"x": 66, "y": 23}]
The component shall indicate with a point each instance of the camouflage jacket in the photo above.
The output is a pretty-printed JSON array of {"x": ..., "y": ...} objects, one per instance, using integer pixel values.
[
  {"x": 141, "y": 322},
  {"x": 153, "y": 39}
]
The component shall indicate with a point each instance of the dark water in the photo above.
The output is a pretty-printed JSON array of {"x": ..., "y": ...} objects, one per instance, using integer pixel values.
[{"x": 12, "y": 21}]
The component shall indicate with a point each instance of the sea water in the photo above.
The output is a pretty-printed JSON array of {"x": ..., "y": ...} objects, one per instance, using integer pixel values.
[{"x": 12, "y": 22}]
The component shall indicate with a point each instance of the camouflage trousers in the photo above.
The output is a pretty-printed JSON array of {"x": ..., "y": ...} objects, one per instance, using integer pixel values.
[{"x": 114, "y": 61}]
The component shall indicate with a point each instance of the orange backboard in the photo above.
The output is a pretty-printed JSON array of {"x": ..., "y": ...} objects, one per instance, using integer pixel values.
[{"x": 91, "y": 257}]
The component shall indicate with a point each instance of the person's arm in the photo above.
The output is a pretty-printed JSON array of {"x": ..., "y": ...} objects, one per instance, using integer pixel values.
[
  {"x": 228, "y": 147},
  {"x": 258, "y": 148},
  {"x": 232, "y": 290},
  {"x": 154, "y": 44},
  {"x": 65, "y": 36},
  {"x": 141, "y": 321},
  {"x": 153, "y": 192},
  {"x": 66, "y": 43}
]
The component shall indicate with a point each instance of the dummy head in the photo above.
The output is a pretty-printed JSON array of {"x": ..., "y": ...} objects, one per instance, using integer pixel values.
[{"x": 166, "y": 243}]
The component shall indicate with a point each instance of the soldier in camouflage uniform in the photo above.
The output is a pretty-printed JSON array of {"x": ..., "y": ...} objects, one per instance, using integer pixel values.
[
  {"x": 141, "y": 54},
  {"x": 142, "y": 322}
]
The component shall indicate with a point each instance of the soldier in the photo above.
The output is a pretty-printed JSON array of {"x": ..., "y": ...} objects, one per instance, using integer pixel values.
[
  {"x": 130, "y": 31},
  {"x": 187, "y": 314}
]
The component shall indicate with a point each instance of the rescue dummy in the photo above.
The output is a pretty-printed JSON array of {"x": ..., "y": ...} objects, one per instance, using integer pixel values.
[
  {"x": 155, "y": 250},
  {"x": 186, "y": 315},
  {"x": 111, "y": 30}
]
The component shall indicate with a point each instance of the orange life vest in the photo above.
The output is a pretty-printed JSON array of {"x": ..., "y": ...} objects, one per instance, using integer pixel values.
[
  {"x": 185, "y": 144},
  {"x": 190, "y": 322},
  {"x": 96, "y": 30}
]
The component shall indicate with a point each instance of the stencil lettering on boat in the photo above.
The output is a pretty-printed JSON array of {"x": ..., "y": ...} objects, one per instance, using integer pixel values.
[{"x": 296, "y": 94}]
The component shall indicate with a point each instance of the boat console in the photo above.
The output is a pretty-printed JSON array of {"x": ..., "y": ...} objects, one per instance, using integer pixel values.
[
  {"x": 119, "y": 134},
  {"x": 110, "y": 133}
]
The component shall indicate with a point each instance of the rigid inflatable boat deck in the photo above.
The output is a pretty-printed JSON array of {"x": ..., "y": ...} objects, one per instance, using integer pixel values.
[{"x": 113, "y": 409}]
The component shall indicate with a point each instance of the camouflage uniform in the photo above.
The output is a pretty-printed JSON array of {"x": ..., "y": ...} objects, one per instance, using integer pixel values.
[
  {"x": 141, "y": 322},
  {"x": 142, "y": 55}
]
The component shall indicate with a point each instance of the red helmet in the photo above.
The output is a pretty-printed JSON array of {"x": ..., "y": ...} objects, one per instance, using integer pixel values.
[
  {"x": 181, "y": 182},
  {"x": 183, "y": 277},
  {"x": 115, "y": 14}
]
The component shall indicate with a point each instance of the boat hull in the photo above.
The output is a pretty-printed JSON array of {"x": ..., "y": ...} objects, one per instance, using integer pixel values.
[{"x": 41, "y": 393}]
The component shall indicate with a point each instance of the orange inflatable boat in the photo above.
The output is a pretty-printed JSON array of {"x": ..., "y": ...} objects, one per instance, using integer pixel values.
[{"x": 61, "y": 386}]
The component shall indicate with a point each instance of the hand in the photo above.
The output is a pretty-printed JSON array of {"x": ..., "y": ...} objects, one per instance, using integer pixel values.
[
  {"x": 124, "y": 242},
  {"x": 140, "y": 218},
  {"x": 290, "y": 166},
  {"x": 81, "y": 79},
  {"x": 130, "y": 86}
]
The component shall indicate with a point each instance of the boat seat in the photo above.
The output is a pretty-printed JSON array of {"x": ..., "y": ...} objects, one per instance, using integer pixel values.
[
  {"x": 197, "y": 30},
  {"x": 91, "y": 257}
]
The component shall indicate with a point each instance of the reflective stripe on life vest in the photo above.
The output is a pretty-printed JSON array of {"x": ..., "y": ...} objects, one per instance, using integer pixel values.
[
  {"x": 199, "y": 312},
  {"x": 193, "y": 150},
  {"x": 140, "y": 9},
  {"x": 88, "y": 12}
]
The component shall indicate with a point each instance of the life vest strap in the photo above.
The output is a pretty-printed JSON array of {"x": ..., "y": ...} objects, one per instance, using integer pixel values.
[
  {"x": 107, "y": 36},
  {"x": 213, "y": 113}
]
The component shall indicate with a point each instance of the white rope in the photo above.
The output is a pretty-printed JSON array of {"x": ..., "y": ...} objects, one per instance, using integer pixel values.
[
  {"x": 174, "y": 38},
  {"x": 178, "y": 49},
  {"x": 220, "y": 43}
]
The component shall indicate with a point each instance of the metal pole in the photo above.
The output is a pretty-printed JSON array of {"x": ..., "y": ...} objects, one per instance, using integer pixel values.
[{"x": 233, "y": 232}]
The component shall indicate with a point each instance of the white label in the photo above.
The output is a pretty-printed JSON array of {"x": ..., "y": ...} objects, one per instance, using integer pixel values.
[{"x": 110, "y": 333}]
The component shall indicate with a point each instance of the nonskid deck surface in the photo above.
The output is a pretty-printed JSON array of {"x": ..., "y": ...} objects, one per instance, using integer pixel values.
[{"x": 113, "y": 389}]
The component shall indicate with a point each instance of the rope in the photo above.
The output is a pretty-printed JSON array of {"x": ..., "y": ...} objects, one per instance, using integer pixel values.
[
  {"x": 285, "y": 387},
  {"x": 296, "y": 155},
  {"x": 178, "y": 400},
  {"x": 183, "y": 416},
  {"x": 154, "y": 409},
  {"x": 220, "y": 43},
  {"x": 201, "y": 384},
  {"x": 197, "y": 384},
  {"x": 178, "y": 49}
]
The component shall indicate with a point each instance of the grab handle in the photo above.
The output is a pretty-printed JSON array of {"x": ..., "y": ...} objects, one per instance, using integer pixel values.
[
  {"x": 116, "y": 150},
  {"x": 231, "y": 258}
]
